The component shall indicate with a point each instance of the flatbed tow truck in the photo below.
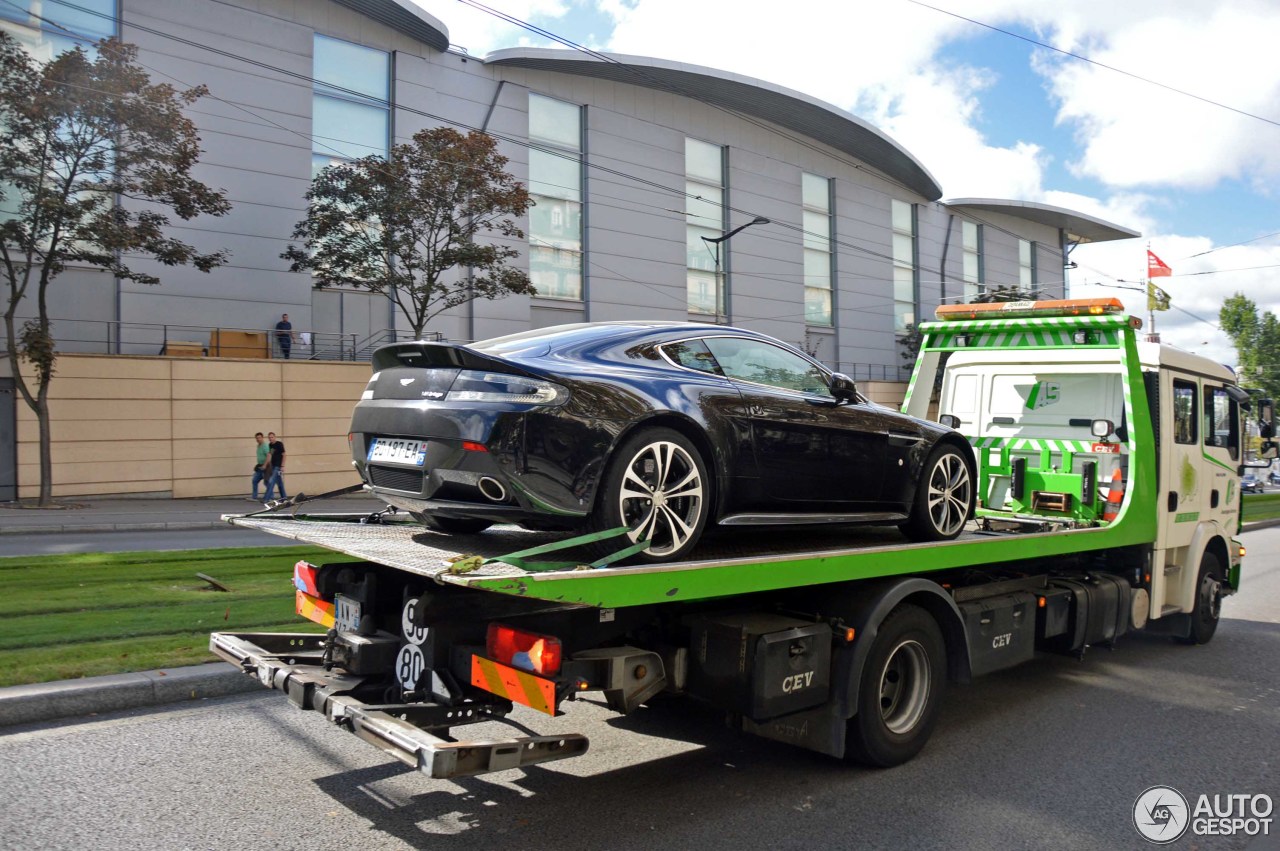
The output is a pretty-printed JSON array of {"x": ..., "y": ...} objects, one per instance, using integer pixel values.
[{"x": 1108, "y": 474}]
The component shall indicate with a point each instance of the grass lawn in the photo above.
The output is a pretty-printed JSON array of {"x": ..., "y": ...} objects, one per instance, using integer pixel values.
[
  {"x": 1261, "y": 506},
  {"x": 69, "y": 616}
]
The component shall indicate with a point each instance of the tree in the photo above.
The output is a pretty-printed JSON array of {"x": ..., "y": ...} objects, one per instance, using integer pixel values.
[
  {"x": 1257, "y": 342},
  {"x": 79, "y": 135},
  {"x": 399, "y": 225}
]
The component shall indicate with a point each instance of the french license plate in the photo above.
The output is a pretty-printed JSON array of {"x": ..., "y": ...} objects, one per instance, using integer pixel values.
[
  {"x": 389, "y": 450},
  {"x": 346, "y": 614}
]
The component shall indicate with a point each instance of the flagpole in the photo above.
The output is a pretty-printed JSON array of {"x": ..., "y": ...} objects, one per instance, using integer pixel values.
[{"x": 1152, "y": 336}]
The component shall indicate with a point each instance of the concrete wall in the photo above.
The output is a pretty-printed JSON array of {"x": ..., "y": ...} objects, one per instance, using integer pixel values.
[{"x": 184, "y": 426}]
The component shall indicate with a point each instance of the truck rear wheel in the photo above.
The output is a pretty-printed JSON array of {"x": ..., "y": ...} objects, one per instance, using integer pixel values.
[
  {"x": 1204, "y": 617},
  {"x": 901, "y": 690}
]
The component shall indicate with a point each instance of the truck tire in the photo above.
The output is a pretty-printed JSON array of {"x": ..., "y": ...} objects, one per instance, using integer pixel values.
[
  {"x": 453, "y": 525},
  {"x": 656, "y": 485},
  {"x": 1204, "y": 617},
  {"x": 944, "y": 497},
  {"x": 901, "y": 690}
]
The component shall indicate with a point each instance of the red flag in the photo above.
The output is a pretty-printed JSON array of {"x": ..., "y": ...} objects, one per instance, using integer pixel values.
[{"x": 1156, "y": 267}]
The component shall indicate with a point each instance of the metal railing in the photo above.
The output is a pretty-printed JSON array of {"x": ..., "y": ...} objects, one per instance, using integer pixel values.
[{"x": 95, "y": 336}]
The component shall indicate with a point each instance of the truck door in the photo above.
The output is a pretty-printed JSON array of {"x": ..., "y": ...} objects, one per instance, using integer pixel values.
[
  {"x": 1222, "y": 441},
  {"x": 1184, "y": 484}
]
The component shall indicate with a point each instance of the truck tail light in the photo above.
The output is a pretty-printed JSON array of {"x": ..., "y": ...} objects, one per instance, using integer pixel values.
[{"x": 528, "y": 651}]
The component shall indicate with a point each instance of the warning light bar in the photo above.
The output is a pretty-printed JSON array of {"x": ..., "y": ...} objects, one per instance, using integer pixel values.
[{"x": 1051, "y": 307}]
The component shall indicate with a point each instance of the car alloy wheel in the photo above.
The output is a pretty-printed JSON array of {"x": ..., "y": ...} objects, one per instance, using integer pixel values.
[
  {"x": 661, "y": 497},
  {"x": 950, "y": 493}
]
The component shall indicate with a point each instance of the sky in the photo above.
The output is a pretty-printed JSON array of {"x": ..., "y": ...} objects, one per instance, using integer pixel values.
[{"x": 1172, "y": 129}]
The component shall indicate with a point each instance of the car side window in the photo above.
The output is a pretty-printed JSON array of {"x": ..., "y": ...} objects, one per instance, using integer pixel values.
[
  {"x": 692, "y": 354},
  {"x": 762, "y": 363}
]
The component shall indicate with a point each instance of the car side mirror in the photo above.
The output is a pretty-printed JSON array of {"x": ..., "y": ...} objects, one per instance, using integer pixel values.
[
  {"x": 949, "y": 420},
  {"x": 843, "y": 388},
  {"x": 1102, "y": 428}
]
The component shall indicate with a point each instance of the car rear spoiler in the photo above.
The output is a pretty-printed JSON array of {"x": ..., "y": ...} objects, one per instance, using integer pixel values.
[{"x": 424, "y": 355}]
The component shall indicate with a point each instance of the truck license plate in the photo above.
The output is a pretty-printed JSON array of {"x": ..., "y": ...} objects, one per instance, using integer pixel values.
[
  {"x": 391, "y": 450},
  {"x": 346, "y": 614}
]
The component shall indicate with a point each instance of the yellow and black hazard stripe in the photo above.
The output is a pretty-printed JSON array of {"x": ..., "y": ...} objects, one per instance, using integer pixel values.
[{"x": 513, "y": 684}]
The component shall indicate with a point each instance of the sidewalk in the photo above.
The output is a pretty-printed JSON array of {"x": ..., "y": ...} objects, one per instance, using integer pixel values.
[{"x": 116, "y": 514}]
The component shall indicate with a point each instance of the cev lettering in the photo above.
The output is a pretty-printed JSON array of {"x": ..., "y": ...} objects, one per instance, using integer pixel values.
[
  {"x": 797, "y": 682},
  {"x": 1003, "y": 640}
]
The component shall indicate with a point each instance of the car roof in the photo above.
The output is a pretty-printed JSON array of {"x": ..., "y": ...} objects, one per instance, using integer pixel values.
[{"x": 578, "y": 333}]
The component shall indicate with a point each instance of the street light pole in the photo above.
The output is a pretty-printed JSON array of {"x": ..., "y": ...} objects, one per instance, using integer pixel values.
[{"x": 713, "y": 245}]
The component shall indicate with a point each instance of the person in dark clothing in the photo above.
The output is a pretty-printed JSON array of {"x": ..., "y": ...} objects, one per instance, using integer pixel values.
[
  {"x": 284, "y": 335},
  {"x": 277, "y": 466}
]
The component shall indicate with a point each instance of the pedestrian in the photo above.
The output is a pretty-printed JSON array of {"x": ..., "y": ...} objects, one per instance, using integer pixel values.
[
  {"x": 261, "y": 469},
  {"x": 284, "y": 335},
  {"x": 276, "y": 460}
]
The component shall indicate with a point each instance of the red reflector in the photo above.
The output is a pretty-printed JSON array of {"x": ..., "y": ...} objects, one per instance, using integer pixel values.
[
  {"x": 527, "y": 651},
  {"x": 304, "y": 578},
  {"x": 472, "y": 446}
]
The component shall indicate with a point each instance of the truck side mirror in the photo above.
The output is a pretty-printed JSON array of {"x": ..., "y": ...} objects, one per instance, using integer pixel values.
[
  {"x": 1266, "y": 419},
  {"x": 843, "y": 388},
  {"x": 1102, "y": 428},
  {"x": 1270, "y": 451}
]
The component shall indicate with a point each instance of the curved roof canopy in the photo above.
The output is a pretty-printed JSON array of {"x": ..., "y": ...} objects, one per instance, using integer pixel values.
[
  {"x": 403, "y": 16},
  {"x": 746, "y": 95},
  {"x": 1079, "y": 227}
]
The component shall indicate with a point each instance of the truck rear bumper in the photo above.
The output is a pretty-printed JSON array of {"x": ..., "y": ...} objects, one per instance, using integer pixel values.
[{"x": 417, "y": 734}]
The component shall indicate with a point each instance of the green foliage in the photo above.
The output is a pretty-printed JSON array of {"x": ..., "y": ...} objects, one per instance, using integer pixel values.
[
  {"x": 107, "y": 613},
  {"x": 1257, "y": 342},
  {"x": 407, "y": 225},
  {"x": 91, "y": 155}
]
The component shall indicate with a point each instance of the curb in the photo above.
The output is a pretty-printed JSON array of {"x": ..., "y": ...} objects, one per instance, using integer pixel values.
[
  {"x": 41, "y": 702},
  {"x": 151, "y": 526},
  {"x": 1260, "y": 524}
]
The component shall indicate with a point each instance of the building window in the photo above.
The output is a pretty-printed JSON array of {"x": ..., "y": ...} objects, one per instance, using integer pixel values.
[
  {"x": 350, "y": 102},
  {"x": 49, "y": 27},
  {"x": 704, "y": 216},
  {"x": 555, "y": 183},
  {"x": 1026, "y": 264},
  {"x": 973, "y": 273},
  {"x": 904, "y": 266},
  {"x": 816, "y": 201}
]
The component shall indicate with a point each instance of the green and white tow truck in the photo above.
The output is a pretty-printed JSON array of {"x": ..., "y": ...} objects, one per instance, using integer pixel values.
[{"x": 1108, "y": 474}]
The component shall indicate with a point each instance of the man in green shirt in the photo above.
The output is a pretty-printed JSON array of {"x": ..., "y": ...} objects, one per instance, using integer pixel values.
[{"x": 261, "y": 473}]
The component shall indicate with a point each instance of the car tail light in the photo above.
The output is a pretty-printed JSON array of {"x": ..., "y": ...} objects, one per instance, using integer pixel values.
[
  {"x": 475, "y": 386},
  {"x": 472, "y": 446},
  {"x": 528, "y": 651}
]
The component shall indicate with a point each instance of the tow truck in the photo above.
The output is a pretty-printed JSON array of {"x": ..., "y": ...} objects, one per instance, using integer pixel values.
[{"x": 1108, "y": 472}]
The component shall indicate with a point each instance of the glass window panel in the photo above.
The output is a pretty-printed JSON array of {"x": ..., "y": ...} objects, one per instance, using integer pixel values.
[
  {"x": 555, "y": 121},
  {"x": 817, "y": 306},
  {"x": 1024, "y": 252},
  {"x": 555, "y": 175},
  {"x": 903, "y": 249},
  {"x": 346, "y": 129},
  {"x": 555, "y": 222},
  {"x": 817, "y": 230},
  {"x": 693, "y": 354},
  {"x": 352, "y": 67},
  {"x": 970, "y": 268},
  {"x": 93, "y": 19},
  {"x": 969, "y": 236},
  {"x": 761, "y": 363},
  {"x": 903, "y": 315},
  {"x": 1024, "y": 276},
  {"x": 972, "y": 291},
  {"x": 817, "y": 268},
  {"x": 698, "y": 254},
  {"x": 902, "y": 217},
  {"x": 1184, "y": 412},
  {"x": 703, "y": 297},
  {"x": 816, "y": 192},
  {"x": 904, "y": 285},
  {"x": 556, "y": 272},
  {"x": 705, "y": 210},
  {"x": 704, "y": 160}
]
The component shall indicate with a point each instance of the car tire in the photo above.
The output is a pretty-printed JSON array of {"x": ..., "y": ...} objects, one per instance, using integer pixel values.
[
  {"x": 657, "y": 485},
  {"x": 453, "y": 525},
  {"x": 900, "y": 693},
  {"x": 944, "y": 497},
  {"x": 1204, "y": 617}
]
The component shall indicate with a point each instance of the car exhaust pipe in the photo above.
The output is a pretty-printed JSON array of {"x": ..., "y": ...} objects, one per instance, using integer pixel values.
[{"x": 492, "y": 489}]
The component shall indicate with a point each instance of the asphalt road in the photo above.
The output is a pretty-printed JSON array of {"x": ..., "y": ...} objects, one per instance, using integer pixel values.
[{"x": 1052, "y": 754}]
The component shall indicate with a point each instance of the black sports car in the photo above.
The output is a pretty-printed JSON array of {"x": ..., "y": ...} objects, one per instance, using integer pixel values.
[{"x": 662, "y": 427}]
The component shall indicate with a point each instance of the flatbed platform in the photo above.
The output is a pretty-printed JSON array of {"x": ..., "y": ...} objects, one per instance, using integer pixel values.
[{"x": 735, "y": 562}]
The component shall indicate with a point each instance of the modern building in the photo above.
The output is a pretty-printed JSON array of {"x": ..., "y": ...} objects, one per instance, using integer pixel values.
[{"x": 631, "y": 160}]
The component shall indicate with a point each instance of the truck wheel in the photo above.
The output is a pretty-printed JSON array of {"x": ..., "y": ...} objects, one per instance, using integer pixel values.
[
  {"x": 657, "y": 486},
  {"x": 453, "y": 525},
  {"x": 901, "y": 690},
  {"x": 944, "y": 497},
  {"x": 1204, "y": 618}
]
